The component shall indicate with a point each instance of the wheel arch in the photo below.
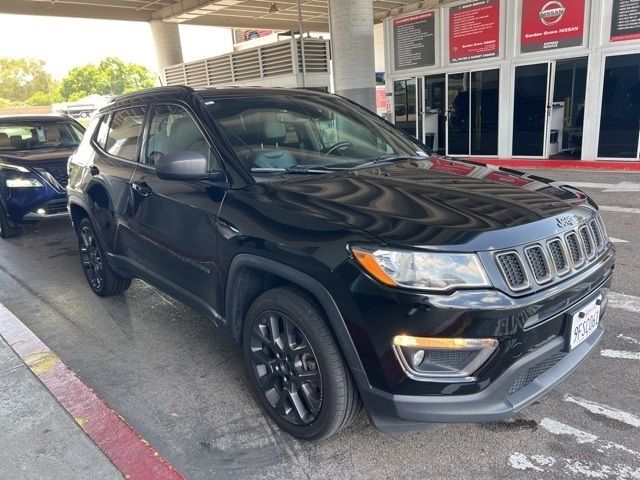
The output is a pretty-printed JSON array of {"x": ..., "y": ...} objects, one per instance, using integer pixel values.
[{"x": 251, "y": 275}]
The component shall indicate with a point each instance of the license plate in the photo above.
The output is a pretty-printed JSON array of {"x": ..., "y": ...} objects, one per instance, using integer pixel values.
[{"x": 584, "y": 323}]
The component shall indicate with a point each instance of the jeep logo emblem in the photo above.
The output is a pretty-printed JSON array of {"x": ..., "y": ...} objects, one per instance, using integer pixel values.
[
  {"x": 552, "y": 13},
  {"x": 567, "y": 221}
]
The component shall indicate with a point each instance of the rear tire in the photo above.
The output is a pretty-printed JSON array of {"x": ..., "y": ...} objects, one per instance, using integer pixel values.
[
  {"x": 101, "y": 278},
  {"x": 6, "y": 230},
  {"x": 295, "y": 367}
]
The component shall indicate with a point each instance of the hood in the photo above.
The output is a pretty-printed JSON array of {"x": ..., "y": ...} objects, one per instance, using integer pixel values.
[
  {"x": 430, "y": 202},
  {"x": 36, "y": 158}
]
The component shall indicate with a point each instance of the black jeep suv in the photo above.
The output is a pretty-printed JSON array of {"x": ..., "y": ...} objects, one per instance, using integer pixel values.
[{"x": 352, "y": 265}]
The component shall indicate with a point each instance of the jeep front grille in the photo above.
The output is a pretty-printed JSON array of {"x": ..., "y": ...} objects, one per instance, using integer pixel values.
[
  {"x": 538, "y": 263},
  {"x": 558, "y": 256},
  {"x": 512, "y": 270},
  {"x": 555, "y": 257},
  {"x": 574, "y": 249}
]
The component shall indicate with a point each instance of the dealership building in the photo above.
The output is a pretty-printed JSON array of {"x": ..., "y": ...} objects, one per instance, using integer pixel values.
[{"x": 542, "y": 79}]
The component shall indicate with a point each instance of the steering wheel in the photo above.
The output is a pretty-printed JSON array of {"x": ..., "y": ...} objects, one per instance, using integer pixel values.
[{"x": 337, "y": 146}]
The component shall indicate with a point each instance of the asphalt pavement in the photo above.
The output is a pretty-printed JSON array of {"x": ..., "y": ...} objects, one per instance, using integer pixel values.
[{"x": 182, "y": 386}]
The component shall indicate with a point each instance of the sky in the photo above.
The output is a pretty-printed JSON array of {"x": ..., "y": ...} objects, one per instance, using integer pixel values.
[{"x": 65, "y": 43}]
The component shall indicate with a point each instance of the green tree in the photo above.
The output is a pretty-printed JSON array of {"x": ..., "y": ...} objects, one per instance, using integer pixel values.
[
  {"x": 20, "y": 78},
  {"x": 45, "y": 98},
  {"x": 111, "y": 76}
]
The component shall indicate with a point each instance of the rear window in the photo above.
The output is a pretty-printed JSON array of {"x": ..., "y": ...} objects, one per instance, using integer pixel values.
[{"x": 124, "y": 133}]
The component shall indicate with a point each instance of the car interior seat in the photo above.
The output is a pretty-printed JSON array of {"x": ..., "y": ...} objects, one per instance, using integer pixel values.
[
  {"x": 52, "y": 135},
  {"x": 185, "y": 136},
  {"x": 4, "y": 140},
  {"x": 17, "y": 142},
  {"x": 271, "y": 154}
]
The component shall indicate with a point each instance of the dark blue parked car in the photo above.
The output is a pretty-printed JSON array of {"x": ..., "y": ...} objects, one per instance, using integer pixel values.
[{"x": 34, "y": 150}]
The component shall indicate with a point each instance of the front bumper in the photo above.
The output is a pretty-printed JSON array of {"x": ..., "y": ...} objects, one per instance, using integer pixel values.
[
  {"x": 529, "y": 361},
  {"x": 501, "y": 399},
  {"x": 48, "y": 211}
]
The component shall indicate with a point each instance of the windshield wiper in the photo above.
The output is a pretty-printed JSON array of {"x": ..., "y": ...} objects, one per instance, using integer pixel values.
[
  {"x": 296, "y": 169},
  {"x": 386, "y": 159}
]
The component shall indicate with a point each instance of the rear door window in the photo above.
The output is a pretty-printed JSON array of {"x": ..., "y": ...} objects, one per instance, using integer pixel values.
[{"x": 124, "y": 133}]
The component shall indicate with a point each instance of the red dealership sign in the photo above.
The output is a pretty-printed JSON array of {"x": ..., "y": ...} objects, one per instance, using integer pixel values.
[
  {"x": 474, "y": 30},
  {"x": 551, "y": 24}
]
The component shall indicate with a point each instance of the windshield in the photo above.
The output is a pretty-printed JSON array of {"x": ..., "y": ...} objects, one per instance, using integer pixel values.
[
  {"x": 293, "y": 132},
  {"x": 33, "y": 135}
]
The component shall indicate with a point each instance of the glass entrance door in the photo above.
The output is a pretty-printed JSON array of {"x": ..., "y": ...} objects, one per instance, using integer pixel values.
[
  {"x": 548, "y": 113},
  {"x": 472, "y": 118},
  {"x": 406, "y": 106},
  {"x": 531, "y": 91},
  {"x": 435, "y": 107},
  {"x": 620, "y": 109}
]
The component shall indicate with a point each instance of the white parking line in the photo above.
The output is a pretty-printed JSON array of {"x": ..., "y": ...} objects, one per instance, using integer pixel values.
[
  {"x": 620, "y": 354},
  {"x": 610, "y": 208},
  {"x": 624, "y": 302},
  {"x": 582, "y": 437},
  {"x": 618, "y": 240},
  {"x": 597, "y": 186},
  {"x": 605, "y": 410},
  {"x": 629, "y": 339},
  {"x": 570, "y": 467},
  {"x": 520, "y": 461},
  {"x": 609, "y": 187},
  {"x": 558, "y": 428}
]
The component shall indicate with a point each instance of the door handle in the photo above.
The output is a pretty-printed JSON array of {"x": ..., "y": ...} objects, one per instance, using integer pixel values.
[
  {"x": 93, "y": 170},
  {"x": 141, "y": 188}
]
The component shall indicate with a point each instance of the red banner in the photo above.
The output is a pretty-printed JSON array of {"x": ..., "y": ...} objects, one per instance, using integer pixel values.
[
  {"x": 548, "y": 25},
  {"x": 474, "y": 31}
]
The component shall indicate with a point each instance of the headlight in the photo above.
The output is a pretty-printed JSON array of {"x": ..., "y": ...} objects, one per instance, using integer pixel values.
[
  {"x": 422, "y": 270},
  {"x": 23, "y": 182}
]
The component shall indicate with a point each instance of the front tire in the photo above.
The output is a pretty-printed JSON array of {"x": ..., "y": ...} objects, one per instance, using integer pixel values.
[
  {"x": 102, "y": 279},
  {"x": 6, "y": 230},
  {"x": 295, "y": 367}
]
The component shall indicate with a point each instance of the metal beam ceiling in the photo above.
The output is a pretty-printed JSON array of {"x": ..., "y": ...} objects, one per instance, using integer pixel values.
[{"x": 221, "y": 13}]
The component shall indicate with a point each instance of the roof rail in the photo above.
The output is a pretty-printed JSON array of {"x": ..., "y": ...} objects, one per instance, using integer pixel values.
[{"x": 147, "y": 91}]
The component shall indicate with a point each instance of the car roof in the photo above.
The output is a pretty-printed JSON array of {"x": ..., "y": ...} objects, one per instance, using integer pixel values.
[
  {"x": 182, "y": 92},
  {"x": 34, "y": 117}
]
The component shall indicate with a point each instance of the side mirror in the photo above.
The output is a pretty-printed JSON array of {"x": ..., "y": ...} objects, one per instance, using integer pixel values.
[{"x": 182, "y": 165}]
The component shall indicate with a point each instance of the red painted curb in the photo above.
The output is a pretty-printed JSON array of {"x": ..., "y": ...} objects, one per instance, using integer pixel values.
[
  {"x": 631, "y": 166},
  {"x": 126, "y": 449}
]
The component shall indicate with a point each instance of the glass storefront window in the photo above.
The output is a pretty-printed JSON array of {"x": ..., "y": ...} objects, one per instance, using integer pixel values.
[{"x": 620, "y": 109}]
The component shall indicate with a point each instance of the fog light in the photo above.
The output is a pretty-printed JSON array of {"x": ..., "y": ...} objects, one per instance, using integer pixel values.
[
  {"x": 442, "y": 359},
  {"x": 418, "y": 357},
  {"x": 41, "y": 211}
]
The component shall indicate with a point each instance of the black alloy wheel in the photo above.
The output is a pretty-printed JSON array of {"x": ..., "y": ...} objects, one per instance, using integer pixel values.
[
  {"x": 91, "y": 258},
  {"x": 286, "y": 368},
  {"x": 102, "y": 279},
  {"x": 295, "y": 367}
]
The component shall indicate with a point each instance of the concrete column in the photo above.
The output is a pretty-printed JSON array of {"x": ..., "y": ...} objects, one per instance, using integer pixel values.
[
  {"x": 353, "y": 51},
  {"x": 166, "y": 37}
]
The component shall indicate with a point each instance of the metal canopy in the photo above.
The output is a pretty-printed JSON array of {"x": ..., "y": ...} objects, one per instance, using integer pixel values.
[{"x": 222, "y": 13}]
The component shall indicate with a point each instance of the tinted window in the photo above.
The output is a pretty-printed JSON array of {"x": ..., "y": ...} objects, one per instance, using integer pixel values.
[
  {"x": 124, "y": 132},
  {"x": 172, "y": 130}
]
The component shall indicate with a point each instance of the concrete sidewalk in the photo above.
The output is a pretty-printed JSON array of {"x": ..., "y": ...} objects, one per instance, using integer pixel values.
[{"x": 38, "y": 437}]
